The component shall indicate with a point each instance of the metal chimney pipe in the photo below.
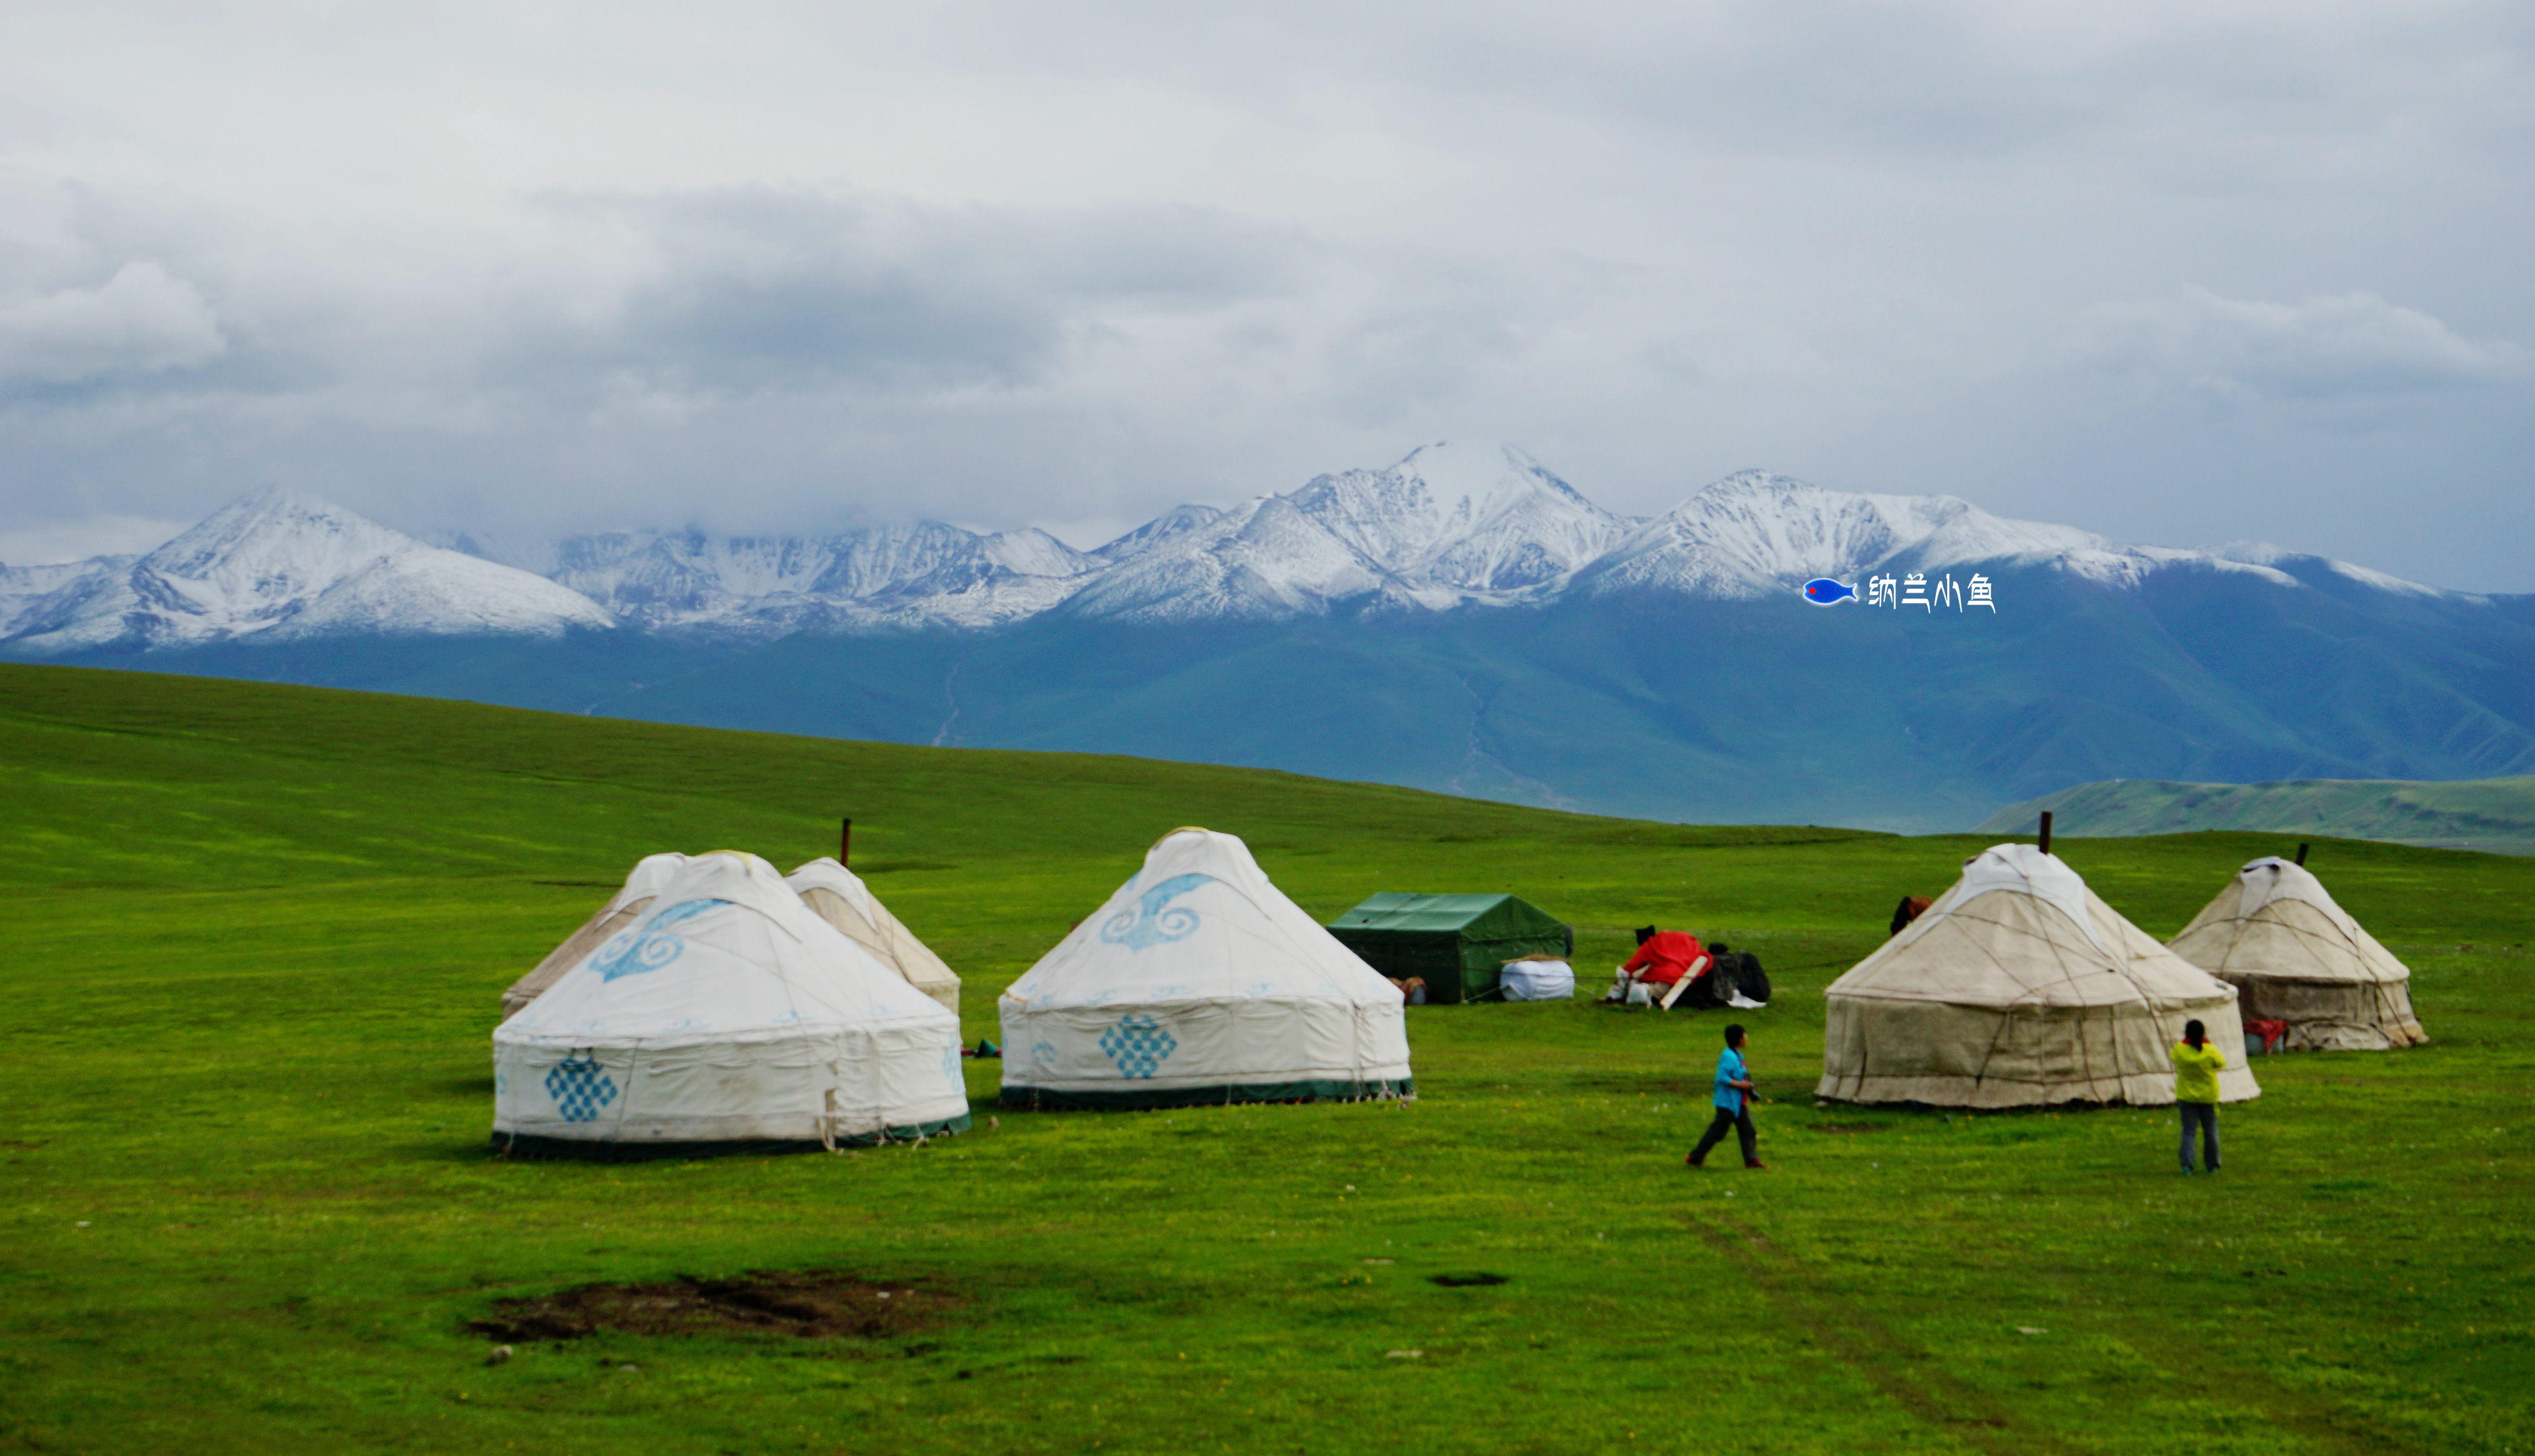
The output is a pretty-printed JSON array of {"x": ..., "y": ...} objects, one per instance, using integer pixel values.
[
  {"x": 2046, "y": 831},
  {"x": 2302, "y": 849},
  {"x": 845, "y": 843}
]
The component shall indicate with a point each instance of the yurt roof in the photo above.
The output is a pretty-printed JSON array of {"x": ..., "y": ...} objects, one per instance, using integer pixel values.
[
  {"x": 827, "y": 875},
  {"x": 725, "y": 952},
  {"x": 870, "y": 924},
  {"x": 1200, "y": 921},
  {"x": 2275, "y": 918},
  {"x": 2021, "y": 927}
]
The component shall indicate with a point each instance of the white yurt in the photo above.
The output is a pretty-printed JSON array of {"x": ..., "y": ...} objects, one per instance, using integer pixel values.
[
  {"x": 843, "y": 900},
  {"x": 2019, "y": 987},
  {"x": 649, "y": 874},
  {"x": 2294, "y": 956},
  {"x": 725, "y": 1017},
  {"x": 1199, "y": 981}
]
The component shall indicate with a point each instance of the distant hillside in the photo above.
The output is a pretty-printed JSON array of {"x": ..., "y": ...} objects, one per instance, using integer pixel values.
[
  {"x": 2496, "y": 814},
  {"x": 1465, "y": 624}
]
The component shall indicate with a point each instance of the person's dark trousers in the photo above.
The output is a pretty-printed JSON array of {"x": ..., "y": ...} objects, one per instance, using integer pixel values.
[
  {"x": 1741, "y": 1122},
  {"x": 2204, "y": 1116}
]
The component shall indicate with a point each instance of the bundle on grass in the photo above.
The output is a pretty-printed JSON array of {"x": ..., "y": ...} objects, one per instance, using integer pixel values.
[
  {"x": 1199, "y": 981},
  {"x": 2294, "y": 956},
  {"x": 725, "y": 1017},
  {"x": 841, "y": 899},
  {"x": 2019, "y": 987},
  {"x": 1540, "y": 977},
  {"x": 640, "y": 888}
]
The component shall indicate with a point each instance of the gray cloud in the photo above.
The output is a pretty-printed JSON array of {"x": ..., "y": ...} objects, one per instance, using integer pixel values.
[{"x": 758, "y": 289}]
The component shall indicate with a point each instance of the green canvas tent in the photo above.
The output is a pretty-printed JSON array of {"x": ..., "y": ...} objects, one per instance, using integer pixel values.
[{"x": 1456, "y": 942}]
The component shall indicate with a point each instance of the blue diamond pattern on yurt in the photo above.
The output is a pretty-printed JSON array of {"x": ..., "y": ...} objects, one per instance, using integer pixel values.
[
  {"x": 579, "y": 1087},
  {"x": 1139, "y": 1045}
]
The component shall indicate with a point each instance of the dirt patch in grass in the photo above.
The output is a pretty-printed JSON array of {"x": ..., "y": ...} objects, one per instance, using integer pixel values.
[{"x": 815, "y": 1304}]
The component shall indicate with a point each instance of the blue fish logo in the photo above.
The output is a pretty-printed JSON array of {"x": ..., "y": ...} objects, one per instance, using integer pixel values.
[{"x": 1822, "y": 591}]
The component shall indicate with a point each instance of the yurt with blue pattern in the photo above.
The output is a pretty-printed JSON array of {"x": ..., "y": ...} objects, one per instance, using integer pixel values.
[
  {"x": 728, "y": 1016},
  {"x": 1199, "y": 981}
]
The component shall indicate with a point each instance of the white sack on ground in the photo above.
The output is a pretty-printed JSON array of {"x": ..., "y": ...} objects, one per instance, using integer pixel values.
[
  {"x": 726, "y": 1014},
  {"x": 649, "y": 874},
  {"x": 843, "y": 900},
  {"x": 1537, "y": 977},
  {"x": 1199, "y": 981},
  {"x": 2020, "y": 988},
  {"x": 2294, "y": 956}
]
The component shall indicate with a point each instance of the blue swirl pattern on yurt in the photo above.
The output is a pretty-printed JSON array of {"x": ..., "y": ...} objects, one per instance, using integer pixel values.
[
  {"x": 651, "y": 947},
  {"x": 1150, "y": 924}
]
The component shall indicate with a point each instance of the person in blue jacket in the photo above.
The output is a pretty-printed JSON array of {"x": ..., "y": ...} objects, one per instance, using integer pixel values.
[{"x": 1733, "y": 1105}]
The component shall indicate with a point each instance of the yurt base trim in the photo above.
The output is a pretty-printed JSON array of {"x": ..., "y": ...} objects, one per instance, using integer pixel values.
[
  {"x": 2155, "y": 1090},
  {"x": 1052, "y": 1099},
  {"x": 617, "y": 1150}
]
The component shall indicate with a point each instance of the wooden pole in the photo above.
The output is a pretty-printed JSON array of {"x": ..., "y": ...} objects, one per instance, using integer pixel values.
[
  {"x": 2302, "y": 849},
  {"x": 845, "y": 843},
  {"x": 2046, "y": 831}
]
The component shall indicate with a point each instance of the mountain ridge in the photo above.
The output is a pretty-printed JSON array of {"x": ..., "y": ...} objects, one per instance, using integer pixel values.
[
  {"x": 1446, "y": 527},
  {"x": 281, "y": 567}
]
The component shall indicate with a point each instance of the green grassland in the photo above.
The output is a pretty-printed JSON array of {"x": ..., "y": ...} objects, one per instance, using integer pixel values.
[{"x": 256, "y": 936}]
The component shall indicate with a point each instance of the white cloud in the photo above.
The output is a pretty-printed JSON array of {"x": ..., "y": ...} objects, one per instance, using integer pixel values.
[
  {"x": 141, "y": 320},
  {"x": 2349, "y": 347}
]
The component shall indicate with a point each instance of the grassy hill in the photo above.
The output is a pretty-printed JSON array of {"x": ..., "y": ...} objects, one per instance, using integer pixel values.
[
  {"x": 2495, "y": 814},
  {"x": 258, "y": 935}
]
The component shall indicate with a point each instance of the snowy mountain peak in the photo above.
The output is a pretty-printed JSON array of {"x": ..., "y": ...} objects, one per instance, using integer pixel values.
[
  {"x": 1757, "y": 532},
  {"x": 1179, "y": 521},
  {"x": 263, "y": 556},
  {"x": 1463, "y": 519},
  {"x": 277, "y": 566}
]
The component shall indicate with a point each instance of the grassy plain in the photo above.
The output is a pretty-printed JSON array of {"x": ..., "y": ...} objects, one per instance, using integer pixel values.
[{"x": 256, "y": 936}]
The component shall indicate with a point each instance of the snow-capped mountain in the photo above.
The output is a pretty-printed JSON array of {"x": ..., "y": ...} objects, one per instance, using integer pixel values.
[
  {"x": 1448, "y": 527},
  {"x": 923, "y": 574},
  {"x": 24, "y": 590},
  {"x": 1755, "y": 534},
  {"x": 278, "y": 567}
]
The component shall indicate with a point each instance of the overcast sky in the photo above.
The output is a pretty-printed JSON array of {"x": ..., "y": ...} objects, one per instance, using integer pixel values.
[{"x": 2183, "y": 273}]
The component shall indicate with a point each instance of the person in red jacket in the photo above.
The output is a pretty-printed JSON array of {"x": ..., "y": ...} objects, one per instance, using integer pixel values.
[{"x": 1668, "y": 959}]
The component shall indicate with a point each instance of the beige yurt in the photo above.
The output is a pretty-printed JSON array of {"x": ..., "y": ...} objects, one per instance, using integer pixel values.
[
  {"x": 640, "y": 889},
  {"x": 2019, "y": 987},
  {"x": 2293, "y": 955},
  {"x": 843, "y": 900}
]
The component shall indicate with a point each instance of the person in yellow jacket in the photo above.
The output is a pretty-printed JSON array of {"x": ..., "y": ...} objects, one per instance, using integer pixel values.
[{"x": 2195, "y": 1092}]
